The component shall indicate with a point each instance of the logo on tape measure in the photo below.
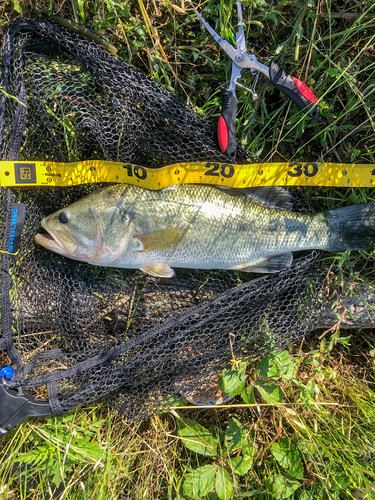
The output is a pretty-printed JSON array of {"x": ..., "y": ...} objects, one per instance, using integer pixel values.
[{"x": 25, "y": 173}]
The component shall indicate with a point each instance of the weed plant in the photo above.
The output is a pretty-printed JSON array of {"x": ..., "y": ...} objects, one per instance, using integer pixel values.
[{"x": 301, "y": 424}]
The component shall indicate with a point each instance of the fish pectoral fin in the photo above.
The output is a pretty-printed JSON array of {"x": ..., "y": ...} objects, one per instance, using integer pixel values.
[
  {"x": 158, "y": 270},
  {"x": 271, "y": 264},
  {"x": 163, "y": 240}
]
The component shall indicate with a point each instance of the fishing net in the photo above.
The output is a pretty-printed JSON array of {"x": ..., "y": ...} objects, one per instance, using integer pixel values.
[{"x": 81, "y": 333}]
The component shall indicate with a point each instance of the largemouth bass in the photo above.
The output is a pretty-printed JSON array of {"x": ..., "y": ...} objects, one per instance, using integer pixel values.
[{"x": 200, "y": 227}]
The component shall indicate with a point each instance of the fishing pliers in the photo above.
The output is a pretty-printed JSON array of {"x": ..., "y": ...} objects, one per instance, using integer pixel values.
[{"x": 294, "y": 88}]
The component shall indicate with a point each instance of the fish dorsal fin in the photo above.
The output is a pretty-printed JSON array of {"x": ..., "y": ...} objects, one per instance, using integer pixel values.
[
  {"x": 267, "y": 196},
  {"x": 162, "y": 240},
  {"x": 158, "y": 270},
  {"x": 272, "y": 264},
  {"x": 271, "y": 196}
]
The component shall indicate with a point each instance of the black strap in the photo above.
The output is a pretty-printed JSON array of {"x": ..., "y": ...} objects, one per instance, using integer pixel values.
[
  {"x": 53, "y": 399},
  {"x": 18, "y": 126},
  {"x": 13, "y": 154},
  {"x": 8, "y": 43},
  {"x": 6, "y": 313}
]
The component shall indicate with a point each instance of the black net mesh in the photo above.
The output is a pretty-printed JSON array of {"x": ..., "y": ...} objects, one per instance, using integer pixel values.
[
  {"x": 98, "y": 334},
  {"x": 84, "y": 103}
]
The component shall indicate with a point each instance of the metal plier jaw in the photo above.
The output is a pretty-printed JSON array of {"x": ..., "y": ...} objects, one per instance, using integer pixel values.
[
  {"x": 16, "y": 405},
  {"x": 297, "y": 90}
]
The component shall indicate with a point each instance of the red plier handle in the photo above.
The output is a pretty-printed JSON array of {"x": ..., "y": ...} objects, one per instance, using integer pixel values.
[{"x": 294, "y": 88}]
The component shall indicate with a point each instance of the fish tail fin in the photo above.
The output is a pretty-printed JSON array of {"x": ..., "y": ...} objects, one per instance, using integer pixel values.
[{"x": 352, "y": 228}]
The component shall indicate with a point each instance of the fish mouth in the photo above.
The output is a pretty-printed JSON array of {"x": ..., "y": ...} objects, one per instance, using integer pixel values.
[{"x": 58, "y": 241}]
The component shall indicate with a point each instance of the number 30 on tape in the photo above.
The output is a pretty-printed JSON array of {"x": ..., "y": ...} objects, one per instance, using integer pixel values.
[{"x": 308, "y": 169}]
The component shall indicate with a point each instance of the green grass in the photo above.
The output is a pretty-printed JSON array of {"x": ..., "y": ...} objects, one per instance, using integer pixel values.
[{"x": 94, "y": 453}]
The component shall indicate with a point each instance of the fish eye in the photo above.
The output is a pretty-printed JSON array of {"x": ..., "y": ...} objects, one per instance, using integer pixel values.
[{"x": 64, "y": 217}]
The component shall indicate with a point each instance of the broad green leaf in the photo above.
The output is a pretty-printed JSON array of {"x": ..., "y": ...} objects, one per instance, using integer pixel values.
[
  {"x": 269, "y": 392},
  {"x": 281, "y": 47},
  {"x": 251, "y": 494},
  {"x": 307, "y": 495},
  {"x": 180, "y": 402},
  {"x": 307, "y": 391},
  {"x": 215, "y": 432},
  {"x": 285, "y": 365},
  {"x": 197, "y": 438},
  {"x": 279, "y": 365},
  {"x": 299, "y": 32},
  {"x": 31, "y": 456},
  {"x": 232, "y": 381},
  {"x": 296, "y": 470},
  {"x": 17, "y": 6},
  {"x": 249, "y": 449},
  {"x": 282, "y": 486},
  {"x": 307, "y": 449},
  {"x": 241, "y": 465},
  {"x": 339, "y": 481},
  {"x": 200, "y": 482},
  {"x": 248, "y": 395},
  {"x": 223, "y": 484},
  {"x": 56, "y": 478},
  {"x": 93, "y": 450},
  {"x": 234, "y": 435},
  {"x": 288, "y": 457},
  {"x": 267, "y": 367},
  {"x": 273, "y": 17}
]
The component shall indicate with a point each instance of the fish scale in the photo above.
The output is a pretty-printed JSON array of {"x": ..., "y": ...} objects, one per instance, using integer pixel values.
[{"x": 199, "y": 226}]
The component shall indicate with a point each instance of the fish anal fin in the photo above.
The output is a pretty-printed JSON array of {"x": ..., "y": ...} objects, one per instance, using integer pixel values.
[
  {"x": 272, "y": 264},
  {"x": 162, "y": 240},
  {"x": 158, "y": 270}
]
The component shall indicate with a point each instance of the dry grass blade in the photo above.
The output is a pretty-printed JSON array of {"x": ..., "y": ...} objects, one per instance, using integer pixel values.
[{"x": 153, "y": 32}]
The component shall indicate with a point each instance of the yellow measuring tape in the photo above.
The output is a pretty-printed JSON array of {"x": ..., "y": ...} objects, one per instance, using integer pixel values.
[{"x": 45, "y": 173}]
